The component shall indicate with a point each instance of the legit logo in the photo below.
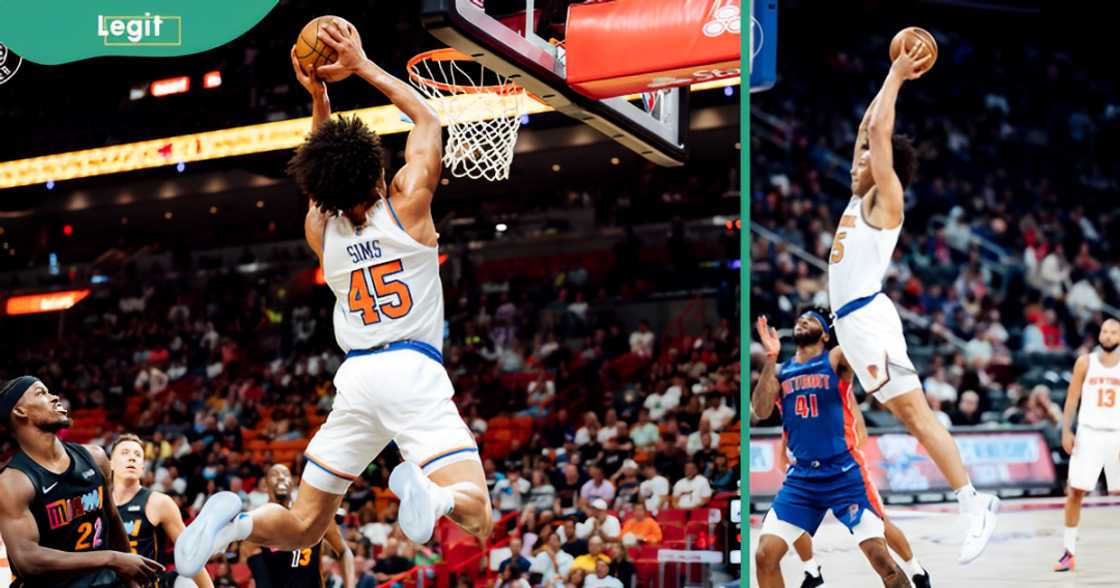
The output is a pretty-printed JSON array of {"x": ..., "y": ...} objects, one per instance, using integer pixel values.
[{"x": 150, "y": 30}]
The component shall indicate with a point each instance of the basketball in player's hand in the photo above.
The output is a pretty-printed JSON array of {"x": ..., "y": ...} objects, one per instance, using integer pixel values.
[
  {"x": 907, "y": 37},
  {"x": 312, "y": 52}
]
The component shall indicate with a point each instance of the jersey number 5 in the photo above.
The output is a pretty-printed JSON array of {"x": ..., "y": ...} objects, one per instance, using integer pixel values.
[
  {"x": 806, "y": 407},
  {"x": 361, "y": 300},
  {"x": 838, "y": 247}
]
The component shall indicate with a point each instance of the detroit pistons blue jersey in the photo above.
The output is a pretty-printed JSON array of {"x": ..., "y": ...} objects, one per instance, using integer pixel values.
[
  {"x": 829, "y": 473},
  {"x": 817, "y": 415}
]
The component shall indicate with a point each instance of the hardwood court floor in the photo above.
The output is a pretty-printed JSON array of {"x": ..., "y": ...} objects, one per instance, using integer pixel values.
[{"x": 1023, "y": 550}]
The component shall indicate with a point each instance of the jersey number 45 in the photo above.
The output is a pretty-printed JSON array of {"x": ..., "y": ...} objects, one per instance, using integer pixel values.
[{"x": 373, "y": 292}]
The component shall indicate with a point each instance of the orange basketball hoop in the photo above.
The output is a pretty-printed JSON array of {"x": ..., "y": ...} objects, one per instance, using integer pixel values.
[{"x": 481, "y": 108}]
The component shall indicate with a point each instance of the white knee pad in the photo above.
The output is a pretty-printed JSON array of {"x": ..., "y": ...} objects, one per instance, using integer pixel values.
[
  {"x": 870, "y": 527},
  {"x": 772, "y": 525}
]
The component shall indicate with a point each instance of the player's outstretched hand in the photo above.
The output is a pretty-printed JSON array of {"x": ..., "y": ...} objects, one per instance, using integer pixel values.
[
  {"x": 135, "y": 567},
  {"x": 309, "y": 79},
  {"x": 911, "y": 64},
  {"x": 769, "y": 337},
  {"x": 1067, "y": 442},
  {"x": 348, "y": 44}
]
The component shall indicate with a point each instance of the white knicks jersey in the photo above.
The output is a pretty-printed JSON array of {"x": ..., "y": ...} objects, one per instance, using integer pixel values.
[
  {"x": 1100, "y": 395},
  {"x": 860, "y": 256},
  {"x": 386, "y": 284}
]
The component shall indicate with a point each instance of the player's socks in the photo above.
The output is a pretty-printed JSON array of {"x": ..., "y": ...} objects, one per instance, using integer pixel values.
[
  {"x": 812, "y": 567},
  {"x": 442, "y": 499},
  {"x": 1070, "y": 540},
  {"x": 966, "y": 497},
  {"x": 913, "y": 568},
  {"x": 238, "y": 530}
]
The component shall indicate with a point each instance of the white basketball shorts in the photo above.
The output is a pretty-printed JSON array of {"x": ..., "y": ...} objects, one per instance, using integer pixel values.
[
  {"x": 1094, "y": 450},
  {"x": 875, "y": 346},
  {"x": 400, "y": 395}
]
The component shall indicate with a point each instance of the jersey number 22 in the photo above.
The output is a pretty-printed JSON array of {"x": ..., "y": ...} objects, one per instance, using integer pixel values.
[{"x": 373, "y": 302}]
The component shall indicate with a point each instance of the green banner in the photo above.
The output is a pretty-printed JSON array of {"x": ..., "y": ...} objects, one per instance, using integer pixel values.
[{"x": 52, "y": 32}]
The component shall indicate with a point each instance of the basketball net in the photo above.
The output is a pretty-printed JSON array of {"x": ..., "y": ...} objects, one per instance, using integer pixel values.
[{"x": 481, "y": 108}]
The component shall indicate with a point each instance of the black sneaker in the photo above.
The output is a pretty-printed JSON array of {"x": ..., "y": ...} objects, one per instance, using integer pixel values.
[
  {"x": 813, "y": 581},
  {"x": 921, "y": 580}
]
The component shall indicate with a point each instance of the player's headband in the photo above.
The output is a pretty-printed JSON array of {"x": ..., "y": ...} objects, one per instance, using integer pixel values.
[
  {"x": 10, "y": 395},
  {"x": 817, "y": 317}
]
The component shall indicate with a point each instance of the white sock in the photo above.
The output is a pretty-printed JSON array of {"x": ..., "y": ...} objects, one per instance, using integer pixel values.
[
  {"x": 238, "y": 530},
  {"x": 913, "y": 568},
  {"x": 966, "y": 497},
  {"x": 1070, "y": 540},
  {"x": 812, "y": 567},
  {"x": 442, "y": 499}
]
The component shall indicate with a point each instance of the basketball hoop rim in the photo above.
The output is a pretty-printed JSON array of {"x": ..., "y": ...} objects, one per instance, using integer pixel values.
[{"x": 448, "y": 54}]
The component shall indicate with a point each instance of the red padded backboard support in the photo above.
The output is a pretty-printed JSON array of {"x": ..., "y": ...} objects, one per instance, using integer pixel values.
[{"x": 625, "y": 47}]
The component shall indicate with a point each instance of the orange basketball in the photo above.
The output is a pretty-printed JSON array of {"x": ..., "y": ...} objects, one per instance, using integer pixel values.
[
  {"x": 311, "y": 51},
  {"x": 906, "y": 38}
]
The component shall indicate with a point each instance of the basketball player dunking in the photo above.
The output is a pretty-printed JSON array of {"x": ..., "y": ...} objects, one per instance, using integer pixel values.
[
  {"x": 1095, "y": 385},
  {"x": 56, "y": 511},
  {"x": 300, "y": 568},
  {"x": 377, "y": 244},
  {"x": 149, "y": 517},
  {"x": 867, "y": 324},
  {"x": 829, "y": 471}
]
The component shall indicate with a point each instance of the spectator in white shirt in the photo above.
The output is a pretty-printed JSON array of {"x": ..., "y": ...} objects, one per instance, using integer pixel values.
[
  {"x": 669, "y": 399},
  {"x": 719, "y": 415},
  {"x": 509, "y": 492},
  {"x": 589, "y": 430},
  {"x": 602, "y": 578},
  {"x": 151, "y": 380},
  {"x": 654, "y": 491},
  {"x": 641, "y": 341},
  {"x": 552, "y": 563},
  {"x": 610, "y": 428},
  {"x": 645, "y": 433},
  {"x": 597, "y": 487},
  {"x": 703, "y": 438},
  {"x": 691, "y": 491},
  {"x": 600, "y": 523}
]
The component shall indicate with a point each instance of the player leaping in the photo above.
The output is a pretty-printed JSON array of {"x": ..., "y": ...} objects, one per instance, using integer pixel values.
[
  {"x": 867, "y": 324},
  {"x": 1094, "y": 385},
  {"x": 377, "y": 246}
]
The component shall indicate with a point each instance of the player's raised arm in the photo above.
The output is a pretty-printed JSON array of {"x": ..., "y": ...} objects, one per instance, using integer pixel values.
[
  {"x": 417, "y": 180},
  {"x": 1073, "y": 398},
  {"x": 766, "y": 393},
  {"x": 888, "y": 196},
  {"x": 320, "y": 102}
]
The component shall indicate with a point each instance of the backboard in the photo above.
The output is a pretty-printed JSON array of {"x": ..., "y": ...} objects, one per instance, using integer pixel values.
[
  {"x": 510, "y": 46},
  {"x": 764, "y": 44}
]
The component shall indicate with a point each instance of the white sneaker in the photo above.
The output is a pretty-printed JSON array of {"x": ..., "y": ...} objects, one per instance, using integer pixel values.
[
  {"x": 982, "y": 523},
  {"x": 199, "y": 540},
  {"x": 417, "y": 514}
]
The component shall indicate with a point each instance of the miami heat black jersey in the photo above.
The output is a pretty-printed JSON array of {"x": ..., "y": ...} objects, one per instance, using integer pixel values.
[
  {"x": 69, "y": 510},
  {"x": 301, "y": 568},
  {"x": 143, "y": 536}
]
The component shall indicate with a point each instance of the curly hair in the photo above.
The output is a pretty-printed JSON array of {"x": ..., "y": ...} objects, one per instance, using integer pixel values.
[
  {"x": 905, "y": 159},
  {"x": 339, "y": 165}
]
